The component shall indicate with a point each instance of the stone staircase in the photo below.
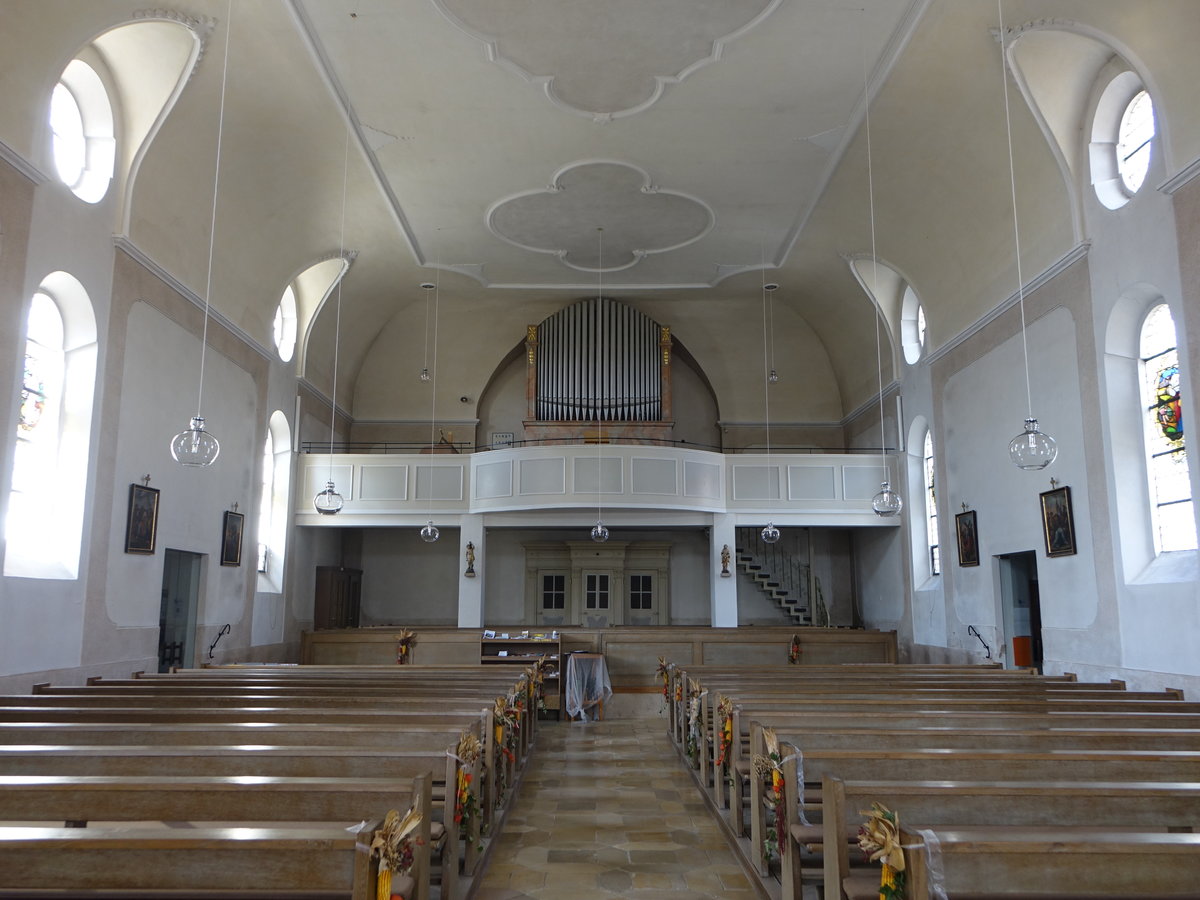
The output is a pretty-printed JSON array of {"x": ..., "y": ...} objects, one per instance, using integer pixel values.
[{"x": 778, "y": 572}]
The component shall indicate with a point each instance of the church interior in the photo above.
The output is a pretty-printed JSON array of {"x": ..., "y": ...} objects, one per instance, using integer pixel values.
[{"x": 325, "y": 319}]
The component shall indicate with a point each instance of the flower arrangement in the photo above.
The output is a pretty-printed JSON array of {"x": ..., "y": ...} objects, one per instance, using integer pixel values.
[
  {"x": 725, "y": 715},
  {"x": 794, "y": 650},
  {"x": 769, "y": 766},
  {"x": 404, "y": 644},
  {"x": 466, "y": 805},
  {"x": 879, "y": 840},
  {"x": 693, "y": 732},
  {"x": 393, "y": 844}
]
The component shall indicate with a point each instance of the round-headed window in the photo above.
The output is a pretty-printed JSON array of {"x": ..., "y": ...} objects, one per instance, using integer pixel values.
[
  {"x": 284, "y": 328},
  {"x": 1133, "y": 141},
  {"x": 81, "y": 127},
  {"x": 912, "y": 326},
  {"x": 1122, "y": 140}
]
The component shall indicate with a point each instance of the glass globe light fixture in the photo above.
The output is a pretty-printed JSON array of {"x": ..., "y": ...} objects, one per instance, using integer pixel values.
[
  {"x": 1032, "y": 449},
  {"x": 770, "y": 534},
  {"x": 195, "y": 446},
  {"x": 887, "y": 503},
  {"x": 425, "y": 374},
  {"x": 773, "y": 377},
  {"x": 599, "y": 533},
  {"x": 329, "y": 502},
  {"x": 430, "y": 532}
]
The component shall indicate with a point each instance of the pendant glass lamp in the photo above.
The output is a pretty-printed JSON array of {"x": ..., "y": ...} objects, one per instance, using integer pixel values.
[
  {"x": 430, "y": 532},
  {"x": 195, "y": 447},
  {"x": 329, "y": 502},
  {"x": 599, "y": 533},
  {"x": 887, "y": 503},
  {"x": 1032, "y": 450},
  {"x": 770, "y": 534}
]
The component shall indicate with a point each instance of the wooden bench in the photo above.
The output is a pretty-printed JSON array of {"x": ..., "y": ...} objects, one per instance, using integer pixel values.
[
  {"x": 325, "y": 862},
  {"x": 1162, "y": 806},
  {"x": 994, "y": 862},
  {"x": 77, "y": 800}
]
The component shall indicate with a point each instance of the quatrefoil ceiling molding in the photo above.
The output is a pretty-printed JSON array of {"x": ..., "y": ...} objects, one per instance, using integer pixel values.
[
  {"x": 639, "y": 218},
  {"x": 605, "y": 60}
]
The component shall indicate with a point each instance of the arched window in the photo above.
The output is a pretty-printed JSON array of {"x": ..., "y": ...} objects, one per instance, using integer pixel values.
[
  {"x": 1171, "y": 508},
  {"x": 81, "y": 125},
  {"x": 273, "y": 502},
  {"x": 44, "y": 525},
  {"x": 1122, "y": 140},
  {"x": 931, "y": 516},
  {"x": 284, "y": 327},
  {"x": 912, "y": 326}
]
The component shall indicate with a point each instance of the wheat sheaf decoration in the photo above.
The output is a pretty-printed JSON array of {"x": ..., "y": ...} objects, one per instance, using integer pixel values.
[
  {"x": 879, "y": 839},
  {"x": 769, "y": 767},
  {"x": 393, "y": 844},
  {"x": 404, "y": 644}
]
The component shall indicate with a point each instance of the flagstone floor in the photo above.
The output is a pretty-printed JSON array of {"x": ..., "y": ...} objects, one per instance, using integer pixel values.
[{"x": 606, "y": 809}]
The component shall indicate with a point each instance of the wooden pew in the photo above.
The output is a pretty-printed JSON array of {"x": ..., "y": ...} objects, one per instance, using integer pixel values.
[
  {"x": 1162, "y": 806},
  {"x": 926, "y": 764},
  {"x": 77, "y": 800},
  {"x": 281, "y": 862},
  {"x": 993, "y": 862}
]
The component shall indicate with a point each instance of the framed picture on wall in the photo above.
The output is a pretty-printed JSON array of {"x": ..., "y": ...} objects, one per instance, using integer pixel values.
[
  {"x": 1058, "y": 522},
  {"x": 231, "y": 539},
  {"x": 141, "y": 522},
  {"x": 966, "y": 529}
]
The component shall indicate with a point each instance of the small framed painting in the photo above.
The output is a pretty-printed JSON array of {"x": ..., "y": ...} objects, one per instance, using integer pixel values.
[
  {"x": 1058, "y": 522},
  {"x": 141, "y": 522},
  {"x": 966, "y": 528},
  {"x": 231, "y": 539}
]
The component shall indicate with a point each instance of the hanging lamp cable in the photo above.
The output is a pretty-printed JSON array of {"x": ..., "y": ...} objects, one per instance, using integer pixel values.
[
  {"x": 887, "y": 502},
  {"x": 599, "y": 531}
]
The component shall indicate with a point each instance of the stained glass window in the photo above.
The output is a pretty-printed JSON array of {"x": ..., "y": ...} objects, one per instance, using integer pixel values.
[
  {"x": 1166, "y": 453},
  {"x": 931, "y": 516},
  {"x": 41, "y": 389}
]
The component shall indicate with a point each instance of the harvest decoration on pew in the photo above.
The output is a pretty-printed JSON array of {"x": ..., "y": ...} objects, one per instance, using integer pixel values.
[
  {"x": 466, "y": 805},
  {"x": 693, "y": 733},
  {"x": 879, "y": 839},
  {"x": 725, "y": 716},
  {"x": 506, "y": 719},
  {"x": 771, "y": 765},
  {"x": 393, "y": 844},
  {"x": 535, "y": 678},
  {"x": 663, "y": 672},
  {"x": 404, "y": 643},
  {"x": 794, "y": 650}
]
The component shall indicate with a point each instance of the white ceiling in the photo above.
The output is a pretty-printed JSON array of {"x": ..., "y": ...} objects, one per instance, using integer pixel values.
[{"x": 717, "y": 143}]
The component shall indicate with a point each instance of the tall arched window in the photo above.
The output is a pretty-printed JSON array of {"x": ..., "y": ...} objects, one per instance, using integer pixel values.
[
  {"x": 931, "y": 516},
  {"x": 44, "y": 526},
  {"x": 273, "y": 502},
  {"x": 1166, "y": 453}
]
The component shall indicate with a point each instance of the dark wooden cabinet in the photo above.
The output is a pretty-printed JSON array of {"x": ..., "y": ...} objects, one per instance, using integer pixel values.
[{"x": 337, "y": 597}]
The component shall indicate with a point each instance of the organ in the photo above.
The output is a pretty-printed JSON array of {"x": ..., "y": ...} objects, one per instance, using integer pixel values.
[{"x": 598, "y": 370}]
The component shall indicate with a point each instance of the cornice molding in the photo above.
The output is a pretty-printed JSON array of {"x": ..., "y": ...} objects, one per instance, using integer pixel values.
[
  {"x": 22, "y": 165},
  {"x": 202, "y": 26},
  {"x": 1056, "y": 268},
  {"x": 134, "y": 252},
  {"x": 1182, "y": 177}
]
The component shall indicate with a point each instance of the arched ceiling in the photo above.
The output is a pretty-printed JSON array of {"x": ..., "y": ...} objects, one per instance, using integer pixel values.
[{"x": 488, "y": 141}]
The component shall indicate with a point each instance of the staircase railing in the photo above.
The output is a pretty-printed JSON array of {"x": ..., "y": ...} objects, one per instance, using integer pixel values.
[{"x": 780, "y": 562}]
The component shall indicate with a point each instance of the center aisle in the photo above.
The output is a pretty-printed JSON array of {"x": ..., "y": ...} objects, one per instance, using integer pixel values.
[{"x": 607, "y": 810}]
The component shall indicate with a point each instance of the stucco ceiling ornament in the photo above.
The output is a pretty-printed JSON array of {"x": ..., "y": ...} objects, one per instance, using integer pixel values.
[
  {"x": 201, "y": 26},
  {"x": 605, "y": 60},
  {"x": 640, "y": 218}
]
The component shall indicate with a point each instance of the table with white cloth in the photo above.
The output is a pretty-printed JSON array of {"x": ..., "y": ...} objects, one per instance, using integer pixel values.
[{"x": 587, "y": 685}]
